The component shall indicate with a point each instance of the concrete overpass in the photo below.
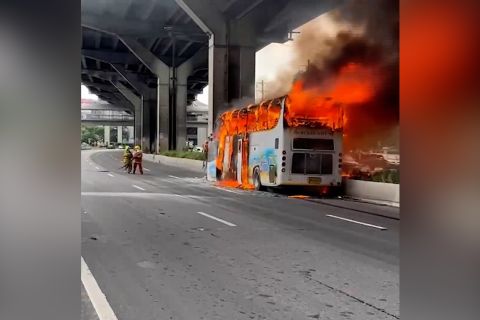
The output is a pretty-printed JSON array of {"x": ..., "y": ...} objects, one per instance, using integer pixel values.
[{"x": 153, "y": 56}]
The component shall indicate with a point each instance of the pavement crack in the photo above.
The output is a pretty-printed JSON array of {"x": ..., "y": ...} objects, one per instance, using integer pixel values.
[{"x": 308, "y": 276}]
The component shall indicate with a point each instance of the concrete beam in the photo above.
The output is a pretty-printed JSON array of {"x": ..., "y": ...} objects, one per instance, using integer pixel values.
[
  {"x": 127, "y": 93},
  {"x": 149, "y": 60},
  {"x": 101, "y": 86},
  {"x": 298, "y": 12},
  {"x": 132, "y": 78},
  {"x": 110, "y": 56},
  {"x": 115, "y": 57},
  {"x": 207, "y": 17},
  {"x": 135, "y": 28}
]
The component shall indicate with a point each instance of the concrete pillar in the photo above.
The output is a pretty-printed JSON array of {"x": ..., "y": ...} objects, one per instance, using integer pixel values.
[
  {"x": 135, "y": 100},
  {"x": 163, "y": 110},
  {"x": 149, "y": 113},
  {"x": 160, "y": 114},
  {"x": 119, "y": 134},
  {"x": 181, "y": 86},
  {"x": 231, "y": 56},
  {"x": 106, "y": 133},
  {"x": 231, "y": 78},
  {"x": 201, "y": 135},
  {"x": 181, "y": 109},
  {"x": 131, "y": 134},
  {"x": 138, "y": 123}
]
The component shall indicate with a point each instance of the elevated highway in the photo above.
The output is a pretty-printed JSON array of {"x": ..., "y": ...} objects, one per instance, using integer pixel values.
[{"x": 153, "y": 56}]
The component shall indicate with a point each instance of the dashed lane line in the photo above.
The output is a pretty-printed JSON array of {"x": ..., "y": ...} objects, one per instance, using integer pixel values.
[
  {"x": 357, "y": 222},
  {"x": 137, "y": 187},
  {"x": 111, "y": 175},
  {"x": 217, "y": 219}
]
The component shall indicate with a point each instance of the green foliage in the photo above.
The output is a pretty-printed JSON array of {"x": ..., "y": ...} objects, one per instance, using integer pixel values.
[
  {"x": 387, "y": 176},
  {"x": 92, "y": 134},
  {"x": 184, "y": 154}
]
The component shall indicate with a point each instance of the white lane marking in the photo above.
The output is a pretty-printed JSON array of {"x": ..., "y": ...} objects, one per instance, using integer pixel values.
[
  {"x": 149, "y": 195},
  {"x": 358, "y": 222},
  {"x": 174, "y": 177},
  {"x": 97, "y": 297},
  {"x": 137, "y": 187},
  {"x": 146, "y": 169},
  {"x": 97, "y": 168},
  {"x": 218, "y": 219},
  {"x": 228, "y": 190},
  {"x": 111, "y": 175}
]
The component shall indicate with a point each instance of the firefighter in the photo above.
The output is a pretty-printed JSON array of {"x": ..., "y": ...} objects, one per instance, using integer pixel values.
[
  {"x": 127, "y": 159},
  {"x": 205, "y": 153},
  {"x": 137, "y": 159}
]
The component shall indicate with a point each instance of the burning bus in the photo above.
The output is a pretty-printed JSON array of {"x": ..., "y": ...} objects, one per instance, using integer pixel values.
[{"x": 286, "y": 141}]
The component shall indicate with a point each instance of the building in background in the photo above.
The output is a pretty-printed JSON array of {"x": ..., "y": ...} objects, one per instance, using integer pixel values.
[{"x": 197, "y": 123}]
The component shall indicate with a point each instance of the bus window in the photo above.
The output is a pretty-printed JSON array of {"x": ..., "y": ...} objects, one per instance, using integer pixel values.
[
  {"x": 298, "y": 163},
  {"x": 262, "y": 116},
  {"x": 313, "y": 144},
  {"x": 313, "y": 163},
  {"x": 274, "y": 110},
  {"x": 327, "y": 164},
  {"x": 252, "y": 118}
]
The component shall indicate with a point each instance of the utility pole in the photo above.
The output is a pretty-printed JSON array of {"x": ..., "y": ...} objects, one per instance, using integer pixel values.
[{"x": 262, "y": 89}]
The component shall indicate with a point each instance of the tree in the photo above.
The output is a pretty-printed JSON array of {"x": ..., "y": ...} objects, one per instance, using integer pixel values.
[{"x": 92, "y": 134}]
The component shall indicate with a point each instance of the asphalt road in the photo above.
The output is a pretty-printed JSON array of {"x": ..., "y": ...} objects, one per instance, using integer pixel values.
[{"x": 170, "y": 245}]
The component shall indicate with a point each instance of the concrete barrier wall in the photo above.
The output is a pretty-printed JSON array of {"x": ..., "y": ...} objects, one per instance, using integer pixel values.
[
  {"x": 387, "y": 193},
  {"x": 190, "y": 164},
  {"x": 375, "y": 191}
]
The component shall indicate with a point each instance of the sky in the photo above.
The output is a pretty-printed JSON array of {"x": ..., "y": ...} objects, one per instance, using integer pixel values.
[{"x": 269, "y": 61}]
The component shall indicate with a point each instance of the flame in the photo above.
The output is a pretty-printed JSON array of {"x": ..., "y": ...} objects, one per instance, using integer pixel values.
[
  {"x": 307, "y": 104},
  {"x": 252, "y": 118},
  {"x": 323, "y": 102}
]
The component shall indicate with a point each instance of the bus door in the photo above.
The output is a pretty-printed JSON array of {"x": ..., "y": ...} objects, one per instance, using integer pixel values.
[
  {"x": 239, "y": 160},
  {"x": 242, "y": 161}
]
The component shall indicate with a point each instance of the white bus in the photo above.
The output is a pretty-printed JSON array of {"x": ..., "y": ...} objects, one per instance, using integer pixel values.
[{"x": 257, "y": 147}]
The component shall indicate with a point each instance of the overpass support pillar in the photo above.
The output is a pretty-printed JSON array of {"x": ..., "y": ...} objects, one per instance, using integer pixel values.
[
  {"x": 231, "y": 78},
  {"x": 160, "y": 115},
  {"x": 149, "y": 125},
  {"x": 106, "y": 134},
  {"x": 131, "y": 134},
  {"x": 138, "y": 123},
  {"x": 163, "y": 118},
  {"x": 231, "y": 56},
  {"x": 119, "y": 134}
]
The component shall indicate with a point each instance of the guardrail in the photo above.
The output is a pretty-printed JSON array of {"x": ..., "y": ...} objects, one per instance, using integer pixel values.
[{"x": 98, "y": 117}]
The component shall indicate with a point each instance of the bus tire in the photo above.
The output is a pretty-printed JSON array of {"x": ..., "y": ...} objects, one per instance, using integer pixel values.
[{"x": 256, "y": 180}]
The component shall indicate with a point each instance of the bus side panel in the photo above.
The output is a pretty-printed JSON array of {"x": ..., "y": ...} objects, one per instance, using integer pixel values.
[{"x": 262, "y": 154}]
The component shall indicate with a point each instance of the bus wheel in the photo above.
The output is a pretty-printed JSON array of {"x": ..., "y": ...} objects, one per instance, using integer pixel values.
[{"x": 256, "y": 180}]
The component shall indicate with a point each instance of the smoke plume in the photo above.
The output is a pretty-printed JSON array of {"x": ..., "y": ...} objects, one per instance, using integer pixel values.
[{"x": 361, "y": 32}]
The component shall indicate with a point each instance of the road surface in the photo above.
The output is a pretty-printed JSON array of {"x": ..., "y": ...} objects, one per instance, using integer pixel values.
[{"x": 170, "y": 245}]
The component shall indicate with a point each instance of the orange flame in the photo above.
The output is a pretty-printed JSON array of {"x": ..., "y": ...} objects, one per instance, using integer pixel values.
[{"x": 323, "y": 102}]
